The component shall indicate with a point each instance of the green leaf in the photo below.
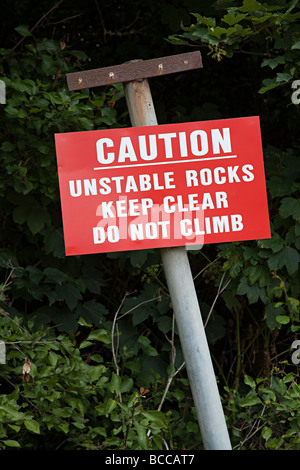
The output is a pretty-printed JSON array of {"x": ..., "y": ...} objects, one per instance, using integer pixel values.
[
  {"x": 14, "y": 427},
  {"x": 142, "y": 435},
  {"x": 292, "y": 260},
  {"x": 95, "y": 372},
  {"x": 276, "y": 243},
  {"x": 33, "y": 213},
  {"x": 126, "y": 385},
  {"x": 251, "y": 6},
  {"x": 218, "y": 32},
  {"x": 7, "y": 258},
  {"x": 273, "y": 62},
  {"x": 69, "y": 293},
  {"x": 11, "y": 110},
  {"x": 115, "y": 383},
  {"x": 64, "y": 427},
  {"x": 211, "y": 22},
  {"x": 156, "y": 417},
  {"x": 108, "y": 115},
  {"x": 283, "y": 77},
  {"x": 110, "y": 406},
  {"x": 253, "y": 292},
  {"x": 138, "y": 257},
  {"x": 35, "y": 274},
  {"x": 101, "y": 335},
  {"x": 23, "y": 30},
  {"x": 55, "y": 275},
  {"x": 146, "y": 346},
  {"x": 53, "y": 358},
  {"x": 11, "y": 443},
  {"x": 100, "y": 431},
  {"x": 288, "y": 257},
  {"x": 139, "y": 316},
  {"x": 249, "y": 381},
  {"x": 179, "y": 394},
  {"x": 85, "y": 344},
  {"x": 12, "y": 413},
  {"x": 279, "y": 187},
  {"x": 8, "y": 147},
  {"x": 269, "y": 84},
  {"x": 32, "y": 426},
  {"x": 93, "y": 279},
  {"x": 250, "y": 401},
  {"x": 266, "y": 432},
  {"x": 271, "y": 314},
  {"x": 36, "y": 221},
  {"x": 231, "y": 19},
  {"x": 192, "y": 427},
  {"x": 290, "y": 206},
  {"x": 289, "y": 378},
  {"x": 294, "y": 304},
  {"x": 91, "y": 311},
  {"x": 283, "y": 319}
]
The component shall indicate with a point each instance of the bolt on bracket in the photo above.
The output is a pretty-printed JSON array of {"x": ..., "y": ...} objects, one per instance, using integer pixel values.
[{"x": 134, "y": 70}]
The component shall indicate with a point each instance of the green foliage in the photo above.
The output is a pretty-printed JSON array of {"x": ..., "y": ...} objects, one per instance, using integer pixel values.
[
  {"x": 67, "y": 400},
  {"x": 267, "y": 416},
  {"x": 251, "y": 27},
  {"x": 35, "y": 110},
  {"x": 70, "y": 397},
  {"x": 269, "y": 272},
  {"x": 262, "y": 287}
]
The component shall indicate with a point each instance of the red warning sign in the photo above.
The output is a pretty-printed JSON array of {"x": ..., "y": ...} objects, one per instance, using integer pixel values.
[{"x": 160, "y": 186}]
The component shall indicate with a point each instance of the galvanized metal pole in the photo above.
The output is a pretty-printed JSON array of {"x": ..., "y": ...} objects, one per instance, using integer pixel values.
[
  {"x": 195, "y": 349},
  {"x": 185, "y": 304}
]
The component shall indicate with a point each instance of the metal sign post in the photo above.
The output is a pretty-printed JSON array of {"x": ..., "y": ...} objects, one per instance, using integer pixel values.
[{"x": 200, "y": 370}]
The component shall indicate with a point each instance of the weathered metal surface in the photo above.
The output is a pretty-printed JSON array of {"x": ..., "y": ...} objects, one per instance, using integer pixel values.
[{"x": 134, "y": 70}]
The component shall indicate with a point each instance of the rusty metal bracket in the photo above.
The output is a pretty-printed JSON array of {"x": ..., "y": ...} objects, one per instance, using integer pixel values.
[{"x": 134, "y": 70}]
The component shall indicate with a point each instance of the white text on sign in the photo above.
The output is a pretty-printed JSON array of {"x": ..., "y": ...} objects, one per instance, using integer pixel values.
[{"x": 129, "y": 150}]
